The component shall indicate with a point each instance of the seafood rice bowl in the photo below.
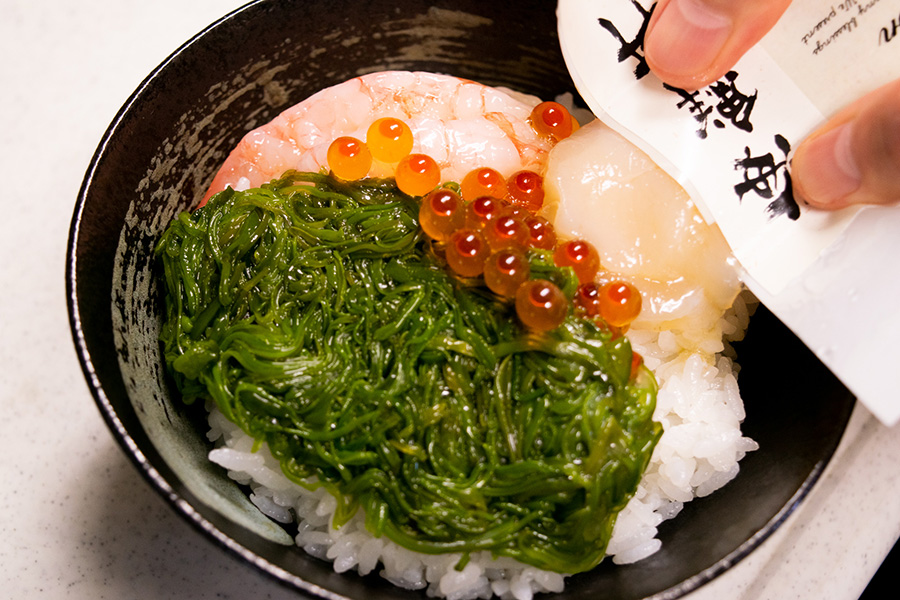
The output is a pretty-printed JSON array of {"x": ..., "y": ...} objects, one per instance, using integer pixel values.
[
  {"x": 324, "y": 371},
  {"x": 468, "y": 129}
]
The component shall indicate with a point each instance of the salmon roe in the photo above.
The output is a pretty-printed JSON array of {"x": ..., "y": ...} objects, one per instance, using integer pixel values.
[
  {"x": 389, "y": 139},
  {"x": 518, "y": 212},
  {"x": 441, "y": 213},
  {"x": 506, "y": 231},
  {"x": 540, "y": 233},
  {"x": 587, "y": 299},
  {"x": 581, "y": 256},
  {"x": 466, "y": 252},
  {"x": 620, "y": 303},
  {"x": 526, "y": 188},
  {"x": 482, "y": 210},
  {"x": 417, "y": 174},
  {"x": 541, "y": 305},
  {"x": 552, "y": 120},
  {"x": 349, "y": 158},
  {"x": 483, "y": 182},
  {"x": 636, "y": 362},
  {"x": 505, "y": 271},
  {"x": 489, "y": 235}
]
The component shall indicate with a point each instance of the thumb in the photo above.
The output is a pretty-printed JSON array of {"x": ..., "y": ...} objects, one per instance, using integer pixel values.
[
  {"x": 855, "y": 157},
  {"x": 691, "y": 43}
]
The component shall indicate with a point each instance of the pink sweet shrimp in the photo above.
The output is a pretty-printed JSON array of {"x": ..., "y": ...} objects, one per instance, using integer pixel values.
[{"x": 461, "y": 124}]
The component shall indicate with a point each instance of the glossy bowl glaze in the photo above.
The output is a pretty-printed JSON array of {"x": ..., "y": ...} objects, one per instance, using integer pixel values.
[{"x": 160, "y": 154}]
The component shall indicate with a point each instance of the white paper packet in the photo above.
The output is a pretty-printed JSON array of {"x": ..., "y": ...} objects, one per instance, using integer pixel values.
[{"x": 832, "y": 277}]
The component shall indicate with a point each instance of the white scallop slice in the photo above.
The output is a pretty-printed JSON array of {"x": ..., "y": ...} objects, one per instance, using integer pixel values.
[{"x": 601, "y": 188}]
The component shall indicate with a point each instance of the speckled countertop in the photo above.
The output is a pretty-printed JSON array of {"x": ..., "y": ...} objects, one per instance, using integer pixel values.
[{"x": 78, "y": 520}]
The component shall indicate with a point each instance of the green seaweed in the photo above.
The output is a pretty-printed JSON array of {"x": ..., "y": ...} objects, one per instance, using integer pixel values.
[{"x": 319, "y": 319}]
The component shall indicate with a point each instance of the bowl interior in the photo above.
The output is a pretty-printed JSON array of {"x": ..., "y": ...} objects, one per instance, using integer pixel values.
[{"x": 159, "y": 156}]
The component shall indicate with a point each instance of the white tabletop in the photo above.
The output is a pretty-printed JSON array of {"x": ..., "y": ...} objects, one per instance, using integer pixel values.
[{"x": 79, "y": 521}]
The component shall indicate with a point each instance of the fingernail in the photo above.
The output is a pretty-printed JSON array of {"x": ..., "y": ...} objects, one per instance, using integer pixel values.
[
  {"x": 687, "y": 37},
  {"x": 824, "y": 170}
]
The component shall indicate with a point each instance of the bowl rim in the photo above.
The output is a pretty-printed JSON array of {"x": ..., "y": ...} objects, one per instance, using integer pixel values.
[
  {"x": 184, "y": 508},
  {"x": 125, "y": 440}
]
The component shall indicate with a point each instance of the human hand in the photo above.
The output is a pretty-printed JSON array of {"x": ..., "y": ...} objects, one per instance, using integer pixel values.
[{"x": 853, "y": 159}]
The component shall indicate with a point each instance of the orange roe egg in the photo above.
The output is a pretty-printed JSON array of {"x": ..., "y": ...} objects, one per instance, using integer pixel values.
[
  {"x": 348, "y": 158},
  {"x": 505, "y": 271},
  {"x": 636, "y": 361},
  {"x": 389, "y": 139},
  {"x": 541, "y": 305},
  {"x": 620, "y": 303},
  {"x": 552, "y": 120},
  {"x": 587, "y": 299},
  {"x": 518, "y": 212},
  {"x": 540, "y": 233},
  {"x": 483, "y": 182},
  {"x": 506, "y": 232},
  {"x": 417, "y": 174},
  {"x": 581, "y": 256},
  {"x": 526, "y": 188},
  {"x": 441, "y": 213},
  {"x": 482, "y": 210},
  {"x": 466, "y": 252}
]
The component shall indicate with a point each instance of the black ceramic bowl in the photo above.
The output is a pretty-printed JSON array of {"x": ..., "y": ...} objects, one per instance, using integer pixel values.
[{"x": 160, "y": 154}]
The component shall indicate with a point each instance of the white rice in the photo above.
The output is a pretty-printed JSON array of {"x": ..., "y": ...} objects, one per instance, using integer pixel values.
[{"x": 698, "y": 404}]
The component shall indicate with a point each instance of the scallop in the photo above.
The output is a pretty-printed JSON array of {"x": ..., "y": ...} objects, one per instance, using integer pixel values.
[{"x": 647, "y": 230}]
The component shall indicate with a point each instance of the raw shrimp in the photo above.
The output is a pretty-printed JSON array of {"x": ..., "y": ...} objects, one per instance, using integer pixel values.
[
  {"x": 644, "y": 226},
  {"x": 461, "y": 124}
]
